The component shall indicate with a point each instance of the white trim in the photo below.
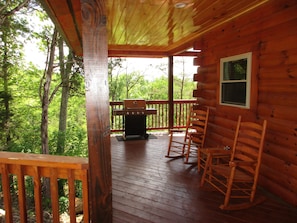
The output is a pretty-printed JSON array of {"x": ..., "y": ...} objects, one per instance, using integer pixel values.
[{"x": 247, "y": 56}]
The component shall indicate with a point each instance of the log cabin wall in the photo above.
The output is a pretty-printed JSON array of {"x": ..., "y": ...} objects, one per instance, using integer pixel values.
[{"x": 270, "y": 33}]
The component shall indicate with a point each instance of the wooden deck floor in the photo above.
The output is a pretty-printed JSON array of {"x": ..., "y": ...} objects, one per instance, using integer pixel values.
[{"x": 147, "y": 187}]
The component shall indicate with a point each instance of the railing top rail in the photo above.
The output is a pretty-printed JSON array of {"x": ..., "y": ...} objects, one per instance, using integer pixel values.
[
  {"x": 44, "y": 160},
  {"x": 158, "y": 101}
]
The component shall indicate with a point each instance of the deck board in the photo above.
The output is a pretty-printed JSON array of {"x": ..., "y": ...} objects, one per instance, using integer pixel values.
[{"x": 147, "y": 187}]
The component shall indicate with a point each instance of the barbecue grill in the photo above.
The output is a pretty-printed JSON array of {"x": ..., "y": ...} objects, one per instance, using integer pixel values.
[{"x": 134, "y": 117}]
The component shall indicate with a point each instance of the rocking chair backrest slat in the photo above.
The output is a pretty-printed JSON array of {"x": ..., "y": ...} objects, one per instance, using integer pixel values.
[{"x": 248, "y": 143}]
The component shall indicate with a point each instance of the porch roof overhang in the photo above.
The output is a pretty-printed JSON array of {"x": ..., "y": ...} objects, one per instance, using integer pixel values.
[{"x": 149, "y": 28}]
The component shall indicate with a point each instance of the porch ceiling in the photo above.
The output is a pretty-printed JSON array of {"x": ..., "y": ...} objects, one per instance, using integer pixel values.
[{"x": 149, "y": 28}]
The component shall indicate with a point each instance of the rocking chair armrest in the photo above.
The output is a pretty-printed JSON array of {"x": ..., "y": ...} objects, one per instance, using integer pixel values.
[{"x": 241, "y": 163}]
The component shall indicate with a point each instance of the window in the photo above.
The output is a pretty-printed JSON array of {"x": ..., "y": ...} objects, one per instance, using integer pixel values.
[{"x": 235, "y": 75}]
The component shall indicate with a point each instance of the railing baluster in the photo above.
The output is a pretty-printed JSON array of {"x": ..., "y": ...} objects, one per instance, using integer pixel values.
[
  {"x": 71, "y": 188},
  {"x": 37, "y": 194},
  {"x": 54, "y": 195},
  {"x": 21, "y": 193},
  {"x": 7, "y": 197},
  {"x": 85, "y": 189}
]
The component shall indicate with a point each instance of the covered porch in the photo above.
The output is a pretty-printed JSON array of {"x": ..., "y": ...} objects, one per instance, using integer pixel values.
[{"x": 132, "y": 181}]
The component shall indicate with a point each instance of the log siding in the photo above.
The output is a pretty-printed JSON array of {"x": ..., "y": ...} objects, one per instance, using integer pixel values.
[{"x": 270, "y": 33}]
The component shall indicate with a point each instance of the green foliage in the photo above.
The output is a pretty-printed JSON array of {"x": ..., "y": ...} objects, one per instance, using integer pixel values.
[
  {"x": 63, "y": 204},
  {"x": 183, "y": 89}
]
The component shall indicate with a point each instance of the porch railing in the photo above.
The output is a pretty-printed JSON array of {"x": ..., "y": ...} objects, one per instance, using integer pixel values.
[
  {"x": 22, "y": 168},
  {"x": 160, "y": 121}
]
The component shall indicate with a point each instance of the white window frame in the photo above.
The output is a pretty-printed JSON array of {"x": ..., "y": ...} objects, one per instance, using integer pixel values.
[{"x": 247, "y": 56}]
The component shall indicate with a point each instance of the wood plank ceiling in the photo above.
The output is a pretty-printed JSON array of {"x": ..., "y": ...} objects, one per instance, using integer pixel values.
[{"x": 149, "y": 28}]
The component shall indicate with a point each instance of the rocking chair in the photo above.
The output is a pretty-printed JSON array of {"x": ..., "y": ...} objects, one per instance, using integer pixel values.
[
  {"x": 193, "y": 137},
  {"x": 238, "y": 179}
]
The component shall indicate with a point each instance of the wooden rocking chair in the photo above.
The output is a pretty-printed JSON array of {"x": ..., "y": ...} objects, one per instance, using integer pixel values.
[
  {"x": 193, "y": 137},
  {"x": 238, "y": 179}
]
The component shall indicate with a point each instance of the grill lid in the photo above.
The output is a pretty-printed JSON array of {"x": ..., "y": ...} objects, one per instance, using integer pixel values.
[{"x": 135, "y": 104}]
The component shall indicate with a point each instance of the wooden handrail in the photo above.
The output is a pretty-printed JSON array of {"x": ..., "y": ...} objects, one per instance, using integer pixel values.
[{"x": 40, "y": 166}]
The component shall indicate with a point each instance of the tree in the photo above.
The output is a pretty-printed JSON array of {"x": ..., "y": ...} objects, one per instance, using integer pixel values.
[
  {"x": 70, "y": 70},
  {"x": 65, "y": 74},
  {"x": 183, "y": 82},
  {"x": 9, "y": 8},
  {"x": 11, "y": 27},
  {"x": 45, "y": 94},
  {"x": 114, "y": 64},
  {"x": 157, "y": 89},
  {"x": 132, "y": 81}
]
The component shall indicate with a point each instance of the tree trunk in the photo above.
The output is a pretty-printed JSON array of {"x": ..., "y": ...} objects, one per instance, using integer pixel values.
[
  {"x": 45, "y": 101},
  {"x": 6, "y": 95},
  {"x": 45, "y": 96},
  {"x": 65, "y": 74},
  {"x": 183, "y": 80}
]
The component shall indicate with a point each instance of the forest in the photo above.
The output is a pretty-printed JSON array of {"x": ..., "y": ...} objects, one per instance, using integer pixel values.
[{"x": 42, "y": 110}]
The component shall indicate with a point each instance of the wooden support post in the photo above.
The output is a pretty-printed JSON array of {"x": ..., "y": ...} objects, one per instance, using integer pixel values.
[
  {"x": 170, "y": 91},
  {"x": 95, "y": 53}
]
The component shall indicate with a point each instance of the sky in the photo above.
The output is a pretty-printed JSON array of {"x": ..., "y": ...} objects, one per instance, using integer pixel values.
[
  {"x": 149, "y": 67},
  {"x": 34, "y": 55}
]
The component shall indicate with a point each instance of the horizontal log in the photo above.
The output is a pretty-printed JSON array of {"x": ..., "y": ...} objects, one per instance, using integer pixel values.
[
  {"x": 277, "y": 111},
  {"x": 284, "y": 126},
  {"x": 206, "y": 86},
  {"x": 232, "y": 113},
  {"x": 278, "y": 32},
  {"x": 197, "y": 61},
  {"x": 206, "y": 94},
  {"x": 227, "y": 123},
  {"x": 207, "y": 102},
  {"x": 279, "y": 165},
  {"x": 284, "y": 99},
  {"x": 206, "y": 77},
  {"x": 208, "y": 58},
  {"x": 275, "y": 45},
  {"x": 285, "y": 138},
  {"x": 278, "y": 190},
  {"x": 279, "y": 86},
  {"x": 285, "y": 57},
  {"x": 278, "y": 72},
  {"x": 217, "y": 140},
  {"x": 284, "y": 180},
  {"x": 286, "y": 153},
  {"x": 207, "y": 69}
]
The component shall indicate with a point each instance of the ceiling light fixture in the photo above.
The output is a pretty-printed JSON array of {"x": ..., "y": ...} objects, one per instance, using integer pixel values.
[{"x": 180, "y": 5}]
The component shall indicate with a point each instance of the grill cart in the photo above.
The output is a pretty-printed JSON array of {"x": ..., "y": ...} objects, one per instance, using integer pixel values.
[{"x": 134, "y": 117}]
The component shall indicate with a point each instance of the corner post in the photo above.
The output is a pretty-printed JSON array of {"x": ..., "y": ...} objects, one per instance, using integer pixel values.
[{"x": 170, "y": 91}]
